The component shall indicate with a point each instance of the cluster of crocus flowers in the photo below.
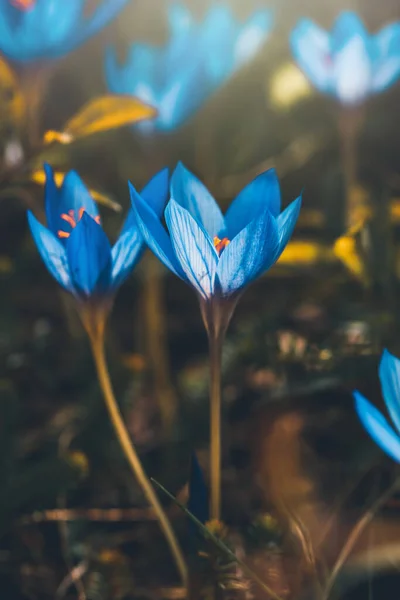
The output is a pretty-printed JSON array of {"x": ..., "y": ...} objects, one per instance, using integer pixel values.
[
  {"x": 382, "y": 432},
  {"x": 32, "y": 30},
  {"x": 74, "y": 246},
  {"x": 348, "y": 63},
  {"x": 199, "y": 57}
]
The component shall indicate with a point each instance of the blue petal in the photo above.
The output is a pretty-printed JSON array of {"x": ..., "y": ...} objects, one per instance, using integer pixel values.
[
  {"x": 353, "y": 57},
  {"x": 347, "y": 26},
  {"x": 89, "y": 258},
  {"x": 183, "y": 95},
  {"x": 105, "y": 13},
  {"x": 387, "y": 57},
  {"x": 73, "y": 195},
  {"x": 263, "y": 192},
  {"x": 179, "y": 19},
  {"x": 154, "y": 233},
  {"x": 156, "y": 191},
  {"x": 218, "y": 35},
  {"x": 252, "y": 36},
  {"x": 389, "y": 374},
  {"x": 311, "y": 49},
  {"x": 51, "y": 251},
  {"x": 125, "y": 253},
  {"x": 286, "y": 223},
  {"x": 249, "y": 254},
  {"x": 155, "y": 194},
  {"x": 193, "y": 248},
  {"x": 41, "y": 30},
  {"x": 188, "y": 191},
  {"x": 377, "y": 426}
]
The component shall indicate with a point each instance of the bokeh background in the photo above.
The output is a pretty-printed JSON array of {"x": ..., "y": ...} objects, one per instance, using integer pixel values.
[{"x": 301, "y": 339}]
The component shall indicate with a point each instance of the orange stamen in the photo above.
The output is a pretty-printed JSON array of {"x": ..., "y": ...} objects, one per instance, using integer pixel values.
[
  {"x": 23, "y": 4},
  {"x": 221, "y": 244},
  {"x": 72, "y": 221}
]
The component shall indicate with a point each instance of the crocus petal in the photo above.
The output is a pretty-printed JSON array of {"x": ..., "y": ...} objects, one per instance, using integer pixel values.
[
  {"x": 155, "y": 194},
  {"x": 352, "y": 72},
  {"x": 377, "y": 426},
  {"x": 73, "y": 195},
  {"x": 387, "y": 61},
  {"x": 389, "y": 374},
  {"x": 286, "y": 223},
  {"x": 249, "y": 254},
  {"x": 156, "y": 191},
  {"x": 218, "y": 34},
  {"x": 178, "y": 102},
  {"x": 154, "y": 233},
  {"x": 310, "y": 47},
  {"x": 352, "y": 64},
  {"x": 51, "y": 251},
  {"x": 252, "y": 37},
  {"x": 179, "y": 19},
  {"x": 347, "y": 26},
  {"x": 188, "y": 191},
  {"x": 106, "y": 12},
  {"x": 89, "y": 258},
  {"x": 193, "y": 248},
  {"x": 125, "y": 253},
  {"x": 263, "y": 192}
]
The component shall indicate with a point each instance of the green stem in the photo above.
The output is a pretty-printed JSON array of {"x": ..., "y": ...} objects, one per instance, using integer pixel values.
[
  {"x": 97, "y": 343},
  {"x": 215, "y": 347}
]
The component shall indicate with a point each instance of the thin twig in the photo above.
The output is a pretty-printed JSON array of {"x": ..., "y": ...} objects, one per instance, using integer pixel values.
[{"x": 355, "y": 534}]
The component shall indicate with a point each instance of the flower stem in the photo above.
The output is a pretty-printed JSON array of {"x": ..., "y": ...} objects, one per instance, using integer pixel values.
[
  {"x": 215, "y": 347},
  {"x": 350, "y": 122},
  {"x": 131, "y": 455}
]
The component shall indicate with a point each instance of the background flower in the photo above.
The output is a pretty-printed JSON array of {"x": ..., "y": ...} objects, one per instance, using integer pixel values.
[
  {"x": 347, "y": 62},
  {"x": 49, "y": 28},
  {"x": 373, "y": 420},
  {"x": 199, "y": 57}
]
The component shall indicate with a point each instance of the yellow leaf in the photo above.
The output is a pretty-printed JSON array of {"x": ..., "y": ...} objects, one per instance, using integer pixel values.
[
  {"x": 102, "y": 114},
  {"x": 345, "y": 248},
  {"x": 305, "y": 253},
  {"x": 12, "y": 103},
  {"x": 39, "y": 177}
]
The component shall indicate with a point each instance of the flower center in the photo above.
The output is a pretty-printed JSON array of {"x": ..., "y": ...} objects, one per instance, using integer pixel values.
[
  {"x": 221, "y": 244},
  {"x": 23, "y": 4},
  {"x": 72, "y": 218}
]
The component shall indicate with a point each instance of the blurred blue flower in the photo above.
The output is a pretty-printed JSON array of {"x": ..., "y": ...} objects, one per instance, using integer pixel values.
[
  {"x": 348, "y": 63},
  {"x": 218, "y": 255},
  {"x": 43, "y": 29},
  {"x": 75, "y": 248},
  {"x": 178, "y": 78},
  {"x": 387, "y": 437}
]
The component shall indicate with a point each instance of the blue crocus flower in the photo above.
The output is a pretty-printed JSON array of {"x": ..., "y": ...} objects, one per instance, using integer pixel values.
[
  {"x": 384, "y": 434},
  {"x": 348, "y": 63},
  {"x": 178, "y": 78},
  {"x": 75, "y": 248},
  {"x": 218, "y": 255},
  {"x": 41, "y": 29}
]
